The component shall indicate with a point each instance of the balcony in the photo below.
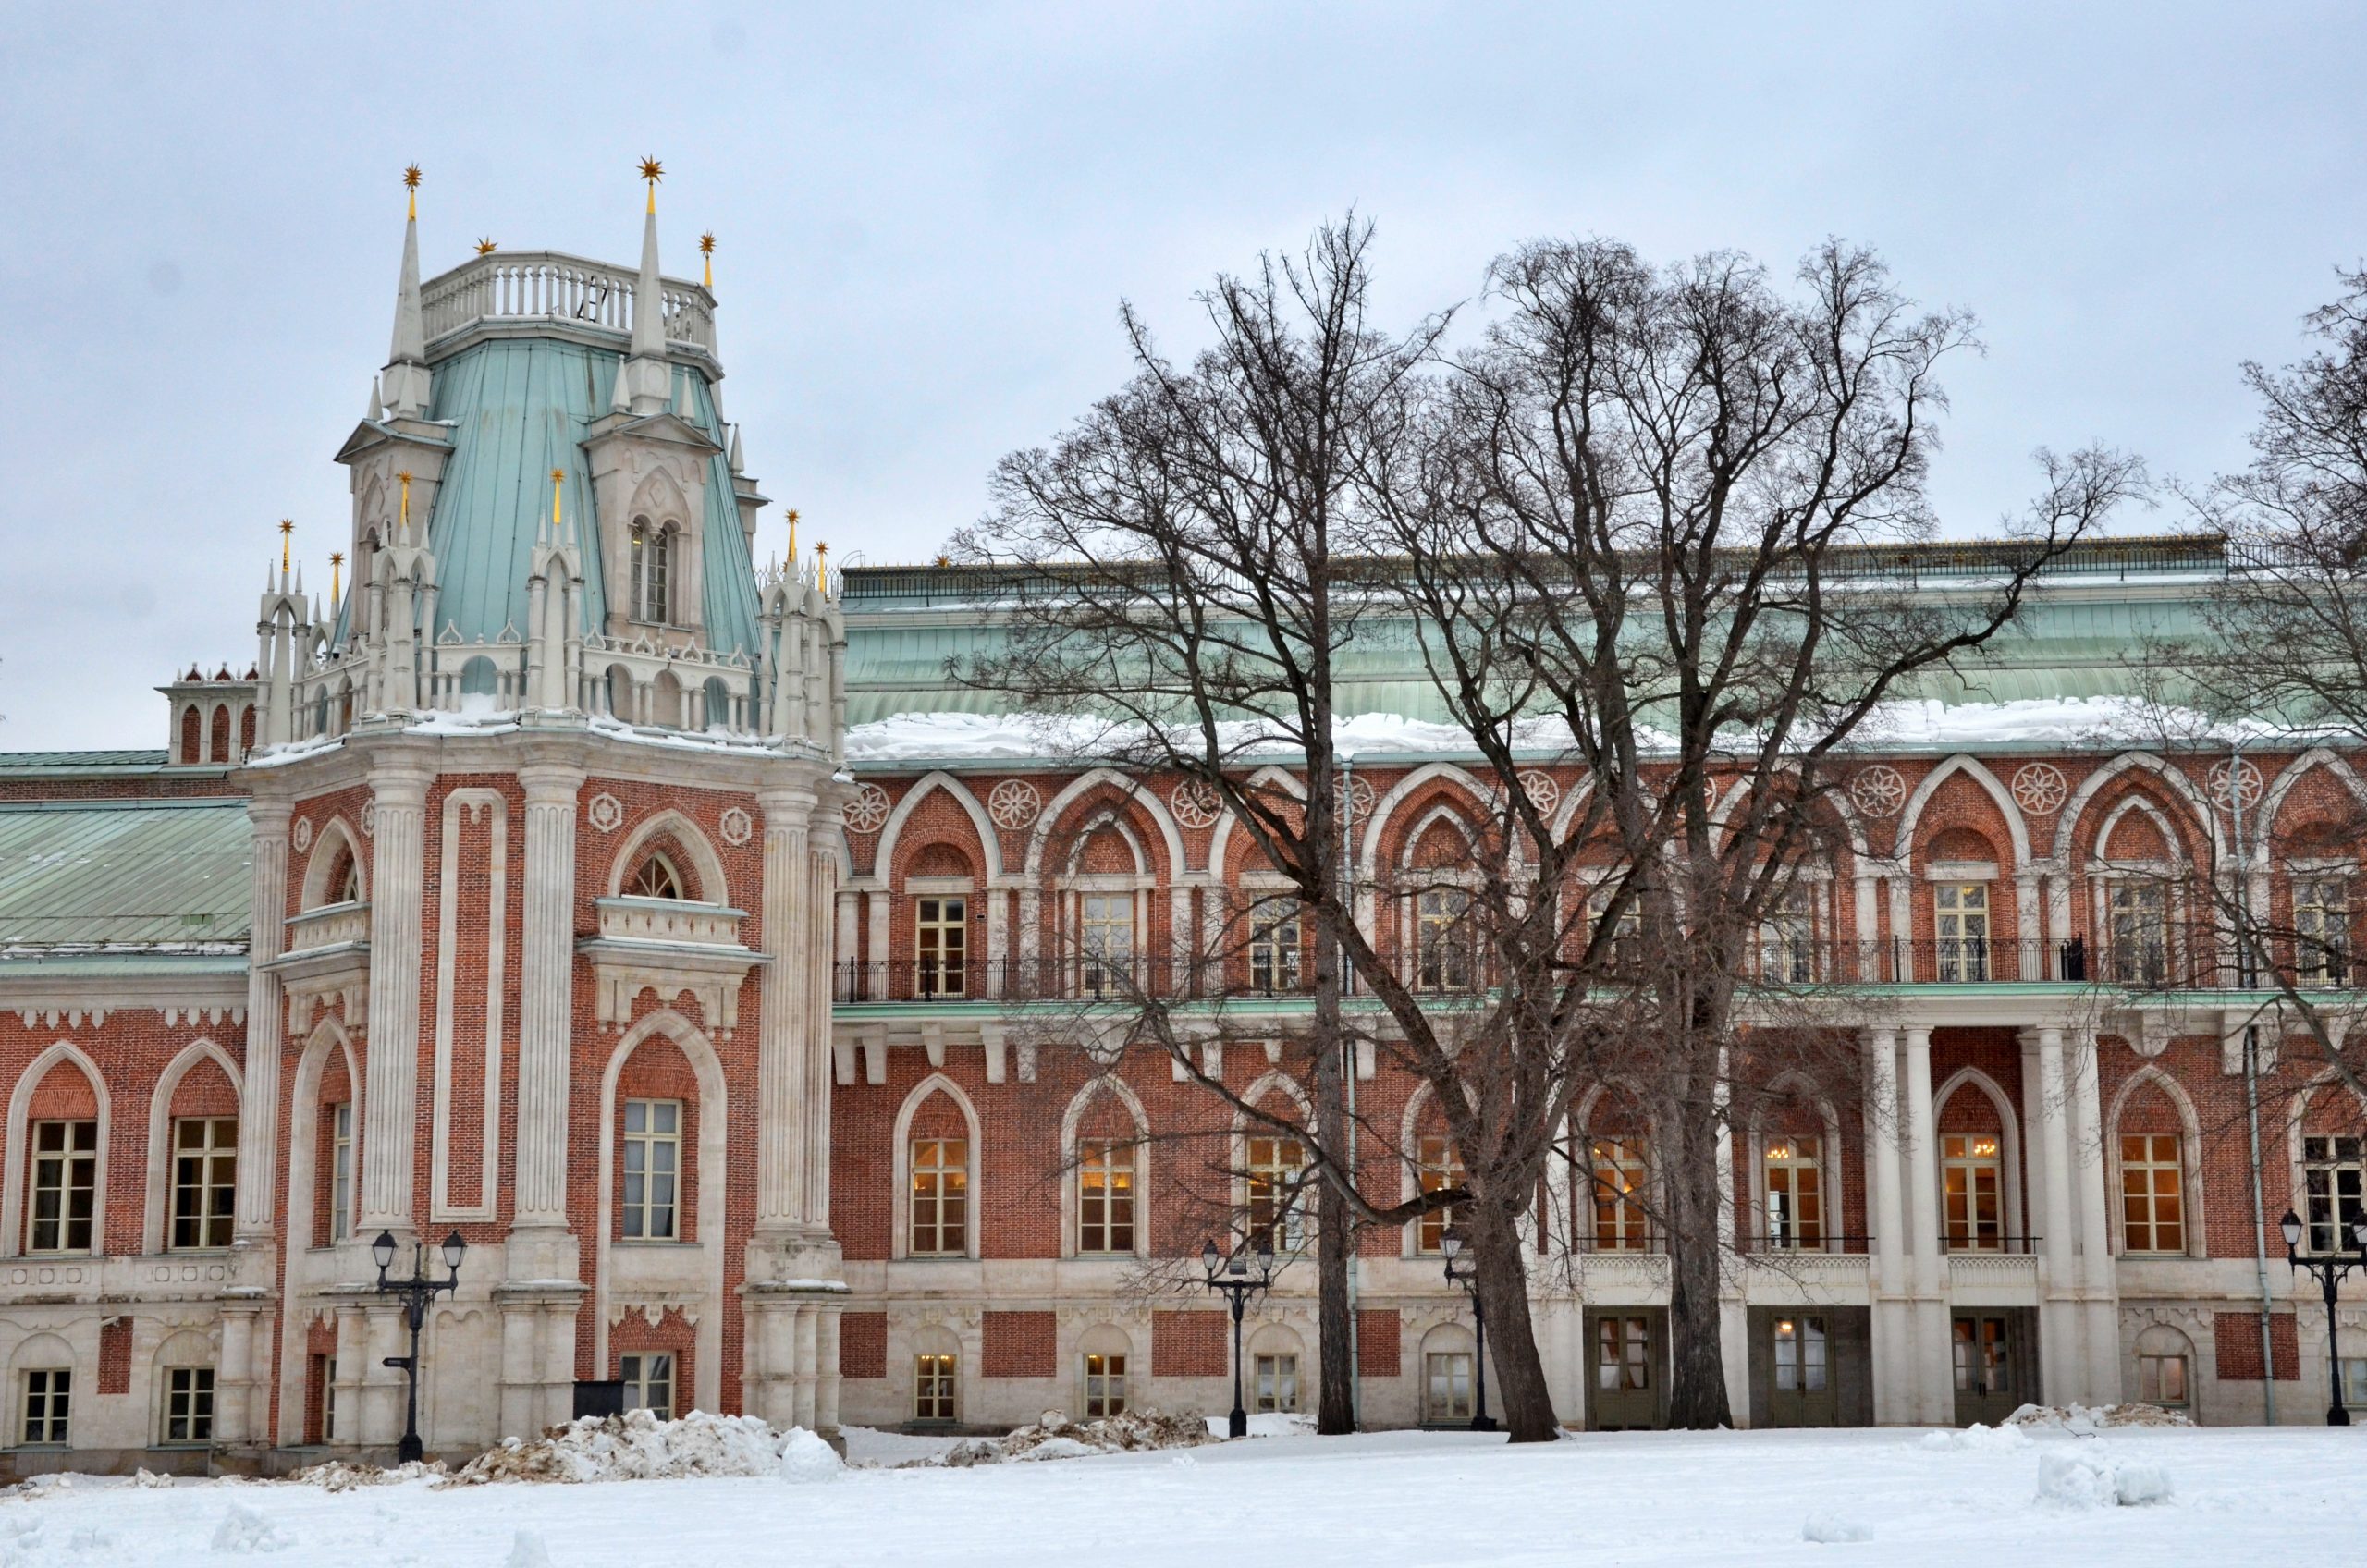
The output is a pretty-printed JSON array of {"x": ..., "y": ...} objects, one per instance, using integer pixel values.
[
  {"x": 326, "y": 958},
  {"x": 547, "y": 288},
  {"x": 668, "y": 946}
]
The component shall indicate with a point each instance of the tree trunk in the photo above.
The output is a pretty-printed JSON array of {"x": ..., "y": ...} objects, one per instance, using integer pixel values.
[
  {"x": 1696, "y": 1381},
  {"x": 1335, "y": 1412},
  {"x": 1522, "y": 1395}
]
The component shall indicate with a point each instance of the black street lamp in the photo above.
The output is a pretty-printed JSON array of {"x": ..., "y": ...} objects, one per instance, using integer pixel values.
[
  {"x": 1465, "y": 1271},
  {"x": 416, "y": 1292},
  {"x": 1233, "y": 1276},
  {"x": 2329, "y": 1270}
]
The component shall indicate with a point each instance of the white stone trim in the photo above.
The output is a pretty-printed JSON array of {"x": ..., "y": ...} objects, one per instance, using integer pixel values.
[
  {"x": 12, "y": 1188},
  {"x": 900, "y": 1239},
  {"x": 160, "y": 1126},
  {"x": 443, "y": 1208}
]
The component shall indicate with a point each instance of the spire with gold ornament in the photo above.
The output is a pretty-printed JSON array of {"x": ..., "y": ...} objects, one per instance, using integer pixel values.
[{"x": 404, "y": 386}]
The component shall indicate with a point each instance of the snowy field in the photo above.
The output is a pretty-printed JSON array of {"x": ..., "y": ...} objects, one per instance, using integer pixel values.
[{"x": 2235, "y": 1496}]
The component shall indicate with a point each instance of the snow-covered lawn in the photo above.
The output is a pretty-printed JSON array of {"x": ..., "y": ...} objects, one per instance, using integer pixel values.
[{"x": 2237, "y": 1496}]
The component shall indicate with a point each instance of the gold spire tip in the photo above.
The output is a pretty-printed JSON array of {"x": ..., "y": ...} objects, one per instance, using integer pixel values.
[
  {"x": 706, "y": 250},
  {"x": 653, "y": 171},
  {"x": 411, "y": 184},
  {"x": 287, "y": 527},
  {"x": 487, "y": 247}
]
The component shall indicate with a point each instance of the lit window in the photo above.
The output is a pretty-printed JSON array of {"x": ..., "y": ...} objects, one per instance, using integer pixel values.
[
  {"x": 2330, "y": 1188},
  {"x": 1446, "y": 1385},
  {"x": 933, "y": 1384},
  {"x": 652, "y": 1165},
  {"x": 1794, "y": 1192},
  {"x": 1799, "y": 1355},
  {"x": 2153, "y": 1197},
  {"x": 1105, "y": 940},
  {"x": 1984, "y": 1362},
  {"x": 49, "y": 1397},
  {"x": 2322, "y": 930},
  {"x": 1442, "y": 940},
  {"x": 340, "y": 1171},
  {"x": 1617, "y": 1165},
  {"x": 941, "y": 945},
  {"x": 1274, "y": 948},
  {"x": 941, "y": 1196},
  {"x": 1622, "y": 1354},
  {"x": 2140, "y": 923},
  {"x": 1277, "y": 1383},
  {"x": 655, "y": 878},
  {"x": 206, "y": 1181},
  {"x": 1275, "y": 1165},
  {"x": 1970, "y": 1174},
  {"x": 1960, "y": 922},
  {"x": 1442, "y": 1167},
  {"x": 1105, "y": 1195},
  {"x": 189, "y": 1404},
  {"x": 649, "y": 1383},
  {"x": 1105, "y": 1385},
  {"x": 66, "y": 1174},
  {"x": 2162, "y": 1379}
]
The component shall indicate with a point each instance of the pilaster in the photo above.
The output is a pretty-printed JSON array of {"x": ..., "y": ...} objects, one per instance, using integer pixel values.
[
  {"x": 2059, "y": 1339},
  {"x": 267, "y": 819},
  {"x": 2099, "y": 1285},
  {"x": 545, "y": 1002},
  {"x": 785, "y": 1038},
  {"x": 1933, "y": 1378},
  {"x": 1892, "y": 1331},
  {"x": 391, "y": 1091}
]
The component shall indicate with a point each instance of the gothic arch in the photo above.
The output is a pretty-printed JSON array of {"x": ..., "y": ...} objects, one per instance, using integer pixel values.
[
  {"x": 670, "y": 823},
  {"x": 1171, "y": 837},
  {"x": 1220, "y": 840},
  {"x": 1071, "y": 1122},
  {"x": 1831, "y": 1168},
  {"x": 160, "y": 1125},
  {"x": 2009, "y": 1154},
  {"x": 305, "y": 1113},
  {"x": 1376, "y": 826},
  {"x": 2135, "y": 805},
  {"x": 893, "y": 832},
  {"x": 1975, "y": 769},
  {"x": 2190, "y": 1193},
  {"x": 321, "y": 863},
  {"x": 2272, "y": 802},
  {"x": 12, "y": 1187},
  {"x": 900, "y": 1219},
  {"x": 2066, "y": 824}
]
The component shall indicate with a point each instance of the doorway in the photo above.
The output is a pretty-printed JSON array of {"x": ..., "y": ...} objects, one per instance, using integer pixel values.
[
  {"x": 1995, "y": 1364},
  {"x": 1628, "y": 1368}
]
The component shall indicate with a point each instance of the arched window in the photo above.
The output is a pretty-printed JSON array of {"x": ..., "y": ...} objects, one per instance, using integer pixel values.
[
  {"x": 1971, "y": 1192},
  {"x": 221, "y": 741},
  {"x": 191, "y": 726},
  {"x": 1795, "y": 1190},
  {"x": 652, "y": 559},
  {"x": 655, "y": 878},
  {"x": 345, "y": 882}
]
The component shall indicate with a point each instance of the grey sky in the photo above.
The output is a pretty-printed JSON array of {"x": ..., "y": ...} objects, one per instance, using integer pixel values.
[{"x": 926, "y": 216}]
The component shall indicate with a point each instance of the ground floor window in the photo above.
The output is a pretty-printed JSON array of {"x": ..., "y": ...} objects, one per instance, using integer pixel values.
[
  {"x": 2354, "y": 1380},
  {"x": 1446, "y": 1385},
  {"x": 933, "y": 1386},
  {"x": 1105, "y": 1385},
  {"x": 49, "y": 1391},
  {"x": 649, "y": 1382},
  {"x": 189, "y": 1404},
  {"x": 2162, "y": 1379},
  {"x": 1277, "y": 1383},
  {"x": 1622, "y": 1354},
  {"x": 1800, "y": 1354},
  {"x": 1984, "y": 1363}
]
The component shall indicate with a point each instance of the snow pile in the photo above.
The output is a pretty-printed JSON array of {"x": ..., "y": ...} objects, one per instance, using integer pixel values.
[
  {"x": 527, "y": 1550},
  {"x": 341, "y": 1476},
  {"x": 243, "y": 1529},
  {"x": 2000, "y": 1438},
  {"x": 1833, "y": 1529},
  {"x": 150, "y": 1478},
  {"x": 2084, "y": 1421},
  {"x": 2090, "y": 1477},
  {"x": 805, "y": 1458},
  {"x": 1054, "y": 1436},
  {"x": 633, "y": 1447}
]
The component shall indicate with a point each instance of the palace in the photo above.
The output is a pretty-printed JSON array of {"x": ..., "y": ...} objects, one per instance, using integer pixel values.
[{"x": 666, "y": 931}]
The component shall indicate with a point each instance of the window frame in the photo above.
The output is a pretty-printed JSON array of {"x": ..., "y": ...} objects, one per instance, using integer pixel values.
[
  {"x": 1458, "y": 1404},
  {"x": 2322, "y": 1236},
  {"x": 637, "y": 1370},
  {"x": 2152, "y": 1224},
  {"x": 1970, "y": 1164},
  {"x": 1445, "y": 956},
  {"x": 2322, "y": 929},
  {"x": 1623, "y": 1201},
  {"x": 66, "y": 1159},
  {"x": 1438, "y": 1164},
  {"x": 1269, "y": 1378},
  {"x": 1276, "y": 938},
  {"x": 1105, "y": 1383},
  {"x": 1792, "y": 1156},
  {"x": 340, "y": 1171},
  {"x": 941, "y": 945},
  {"x": 947, "y": 1176},
  {"x": 217, "y": 1194},
  {"x": 936, "y": 1388},
  {"x": 56, "y": 1397},
  {"x": 187, "y": 1401},
  {"x": 1113, "y": 1162},
  {"x": 1961, "y": 956},
  {"x": 1266, "y": 1177},
  {"x": 635, "y": 1216}
]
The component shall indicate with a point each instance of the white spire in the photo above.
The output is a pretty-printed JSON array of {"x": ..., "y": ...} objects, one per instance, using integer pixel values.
[
  {"x": 648, "y": 306},
  {"x": 404, "y": 388},
  {"x": 736, "y": 464}
]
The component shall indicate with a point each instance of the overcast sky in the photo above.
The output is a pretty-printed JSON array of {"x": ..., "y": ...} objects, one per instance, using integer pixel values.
[{"x": 927, "y": 218}]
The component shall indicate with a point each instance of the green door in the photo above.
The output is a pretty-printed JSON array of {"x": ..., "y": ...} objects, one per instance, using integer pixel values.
[
  {"x": 1994, "y": 1362},
  {"x": 1630, "y": 1367},
  {"x": 1801, "y": 1388}
]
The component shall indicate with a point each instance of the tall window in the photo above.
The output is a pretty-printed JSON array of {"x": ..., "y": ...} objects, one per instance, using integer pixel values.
[
  {"x": 941, "y": 1196},
  {"x": 933, "y": 1387},
  {"x": 1622, "y": 1354},
  {"x": 2152, "y": 1194},
  {"x": 327, "y": 1372},
  {"x": 340, "y": 1171},
  {"x": 653, "y": 561},
  {"x": 189, "y": 1404},
  {"x": 1105, "y": 939},
  {"x": 1440, "y": 1166},
  {"x": 49, "y": 1396},
  {"x": 2162, "y": 1378},
  {"x": 1275, "y": 1211},
  {"x": 1105, "y": 1195},
  {"x": 653, "y": 1169},
  {"x": 1799, "y": 1355},
  {"x": 1960, "y": 924},
  {"x": 1274, "y": 947},
  {"x": 2139, "y": 931},
  {"x": 655, "y": 878},
  {"x": 941, "y": 945},
  {"x": 66, "y": 1176},
  {"x": 2322, "y": 930},
  {"x": 2331, "y": 1184},
  {"x": 1627, "y": 932},
  {"x": 649, "y": 1382},
  {"x": 1794, "y": 1192},
  {"x": 1277, "y": 1383},
  {"x": 1446, "y": 1385},
  {"x": 1617, "y": 1165},
  {"x": 1984, "y": 1361},
  {"x": 206, "y": 1181},
  {"x": 1787, "y": 945},
  {"x": 1442, "y": 940},
  {"x": 1105, "y": 1385},
  {"x": 1971, "y": 1178},
  {"x": 346, "y": 882}
]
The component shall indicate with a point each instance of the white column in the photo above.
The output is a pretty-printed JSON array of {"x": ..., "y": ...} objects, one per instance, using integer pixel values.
[
  {"x": 546, "y": 998},
  {"x": 1893, "y": 1361},
  {"x": 2059, "y": 1354},
  {"x": 1934, "y": 1382},
  {"x": 2100, "y": 1306},
  {"x": 822, "y": 893},
  {"x": 259, "y": 1097},
  {"x": 390, "y": 1108},
  {"x": 785, "y": 1021}
]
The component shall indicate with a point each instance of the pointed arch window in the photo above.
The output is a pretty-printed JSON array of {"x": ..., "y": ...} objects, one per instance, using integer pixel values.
[
  {"x": 653, "y": 573},
  {"x": 346, "y": 885},
  {"x": 655, "y": 878}
]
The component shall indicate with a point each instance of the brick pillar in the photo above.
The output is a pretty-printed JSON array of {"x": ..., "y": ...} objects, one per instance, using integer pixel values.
[{"x": 390, "y": 1108}]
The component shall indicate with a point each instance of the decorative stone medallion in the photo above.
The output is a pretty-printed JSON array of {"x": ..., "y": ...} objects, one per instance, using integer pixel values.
[
  {"x": 869, "y": 810},
  {"x": 1542, "y": 792},
  {"x": 1353, "y": 794},
  {"x": 1195, "y": 803},
  {"x": 1878, "y": 790},
  {"x": 2040, "y": 788},
  {"x": 302, "y": 834},
  {"x": 367, "y": 819},
  {"x": 2235, "y": 782},
  {"x": 606, "y": 812},
  {"x": 1013, "y": 803},
  {"x": 736, "y": 828}
]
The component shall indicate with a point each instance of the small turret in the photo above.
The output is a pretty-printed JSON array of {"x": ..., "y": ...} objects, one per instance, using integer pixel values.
[{"x": 646, "y": 384}]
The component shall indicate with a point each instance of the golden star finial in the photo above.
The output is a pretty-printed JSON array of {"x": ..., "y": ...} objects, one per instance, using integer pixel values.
[
  {"x": 287, "y": 528},
  {"x": 411, "y": 183},
  {"x": 652, "y": 171},
  {"x": 706, "y": 248},
  {"x": 487, "y": 247},
  {"x": 337, "y": 580}
]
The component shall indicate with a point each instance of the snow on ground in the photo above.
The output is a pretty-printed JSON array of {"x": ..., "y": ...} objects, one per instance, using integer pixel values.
[{"x": 2233, "y": 1495}]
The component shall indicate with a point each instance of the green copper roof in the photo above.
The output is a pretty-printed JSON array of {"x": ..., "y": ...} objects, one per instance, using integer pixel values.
[
  {"x": 123, "y": 873},
  {"x": 519, "y": 408}
]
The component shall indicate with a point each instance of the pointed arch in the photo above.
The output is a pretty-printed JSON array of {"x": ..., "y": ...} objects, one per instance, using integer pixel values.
[
  {"x": 1832, "y": 1167},
  {"x": 1368, "y": 851},
  {"x": 160, "y": 1128},
  {"x": 2191, "y": 1192},
  {"x": 1972, "y": 767},
  {"x": 1171, "y": 837},
  {"x": 2138, "y": 805},
  {"x": 2067, "y": 822},
  {"x": 893, "y": 832},
  {"x": 327, "y": 1040},
  {"x": 2009, "y": 1156},
  {"x": 321, "y": 864},
  {"x": 1439, "y": 810},
  {"x": 20, "y": 1099},
  {"x": 1072, "y": 1124},
  {"x": 670, "y": 823},
  {"x": 900, "y": 1219},
  {"x": 1220, "y": 841},
  {"x": 2272, "y": 802}
]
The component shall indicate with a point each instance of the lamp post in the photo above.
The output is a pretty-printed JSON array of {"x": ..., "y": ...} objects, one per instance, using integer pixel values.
[
  {"x": 1465, "y": 1271},
  {"x": 1233, "y": 1276},
  {"x": 415, "y": 1293},
  {"x": 2329, "y": 1270}
]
